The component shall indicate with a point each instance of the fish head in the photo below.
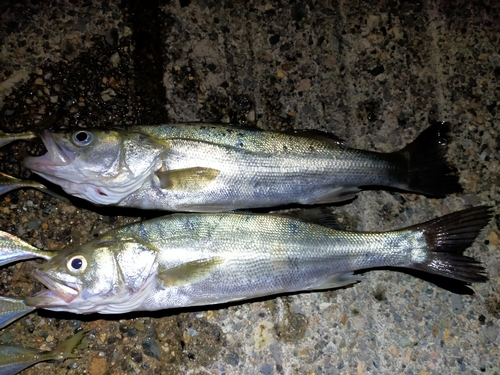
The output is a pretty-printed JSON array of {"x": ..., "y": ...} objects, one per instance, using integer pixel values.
[
  {"x": 102, "y": 166},
  {"x": 104, "y": 276}
]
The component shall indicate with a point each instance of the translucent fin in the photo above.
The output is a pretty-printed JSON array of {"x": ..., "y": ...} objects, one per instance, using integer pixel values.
[
  {"x": 189, "y": 272},
  {"x": 9, "y": 183},
  {"x": 189, "y": 179},
  {"x": 12, "y": 309},
  {"x": 14, "y": 359},
  {"x": 429, "y": 172},
  {"x": 337, "y": 281},
  {"x": 447, "y": 238},
  {"x": 6, "y": 138},
  {"x": 317, "y": 215},
  {"x": 334, "y": 195},
  {"x": 65, "y": 349},
  {"x": 13, "y": 249}
]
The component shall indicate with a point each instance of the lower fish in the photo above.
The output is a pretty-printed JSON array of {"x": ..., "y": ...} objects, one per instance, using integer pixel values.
[
  {"x": 208, "y": 168},
  {"x": 202, "y": 259},
  {"x": 14, "y": 359}
]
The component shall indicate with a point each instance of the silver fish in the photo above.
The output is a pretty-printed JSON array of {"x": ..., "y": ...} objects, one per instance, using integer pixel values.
[
  {"x": 201, "y": 259},
  {"x": 13, "y": 249},
  {"x": 6, "y": 138},
  {"x": 9, "y": 183},
  {"x": 14, "y": 359},
  {"x": 207, "y": 168},
  {"x": 12, "y": 309}
]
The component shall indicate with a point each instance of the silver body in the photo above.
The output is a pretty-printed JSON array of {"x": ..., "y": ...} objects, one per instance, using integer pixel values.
[
  {"x": 262, "y": 169},
  {"x": 252, "y": 168},
  {"x": 189, "y": 260}
]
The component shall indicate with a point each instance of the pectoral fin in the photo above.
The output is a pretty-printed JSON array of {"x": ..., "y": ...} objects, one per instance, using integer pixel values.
[
  {"x": 195, "y": 178},
  {"x": 189, "y": 272}
]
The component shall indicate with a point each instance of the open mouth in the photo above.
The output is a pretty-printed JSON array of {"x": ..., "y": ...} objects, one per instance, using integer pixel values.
[
  {"x": 58, "y": 289},
  {"x": 56, "y": 156}
]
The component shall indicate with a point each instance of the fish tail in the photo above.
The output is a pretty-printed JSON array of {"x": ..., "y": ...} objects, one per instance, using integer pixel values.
[
  {"x": 429, "y": 172},
  {"x": 447, "y": 237},
  {"x": 65, "y": 349},
  {"x": 12, "y": 309}
]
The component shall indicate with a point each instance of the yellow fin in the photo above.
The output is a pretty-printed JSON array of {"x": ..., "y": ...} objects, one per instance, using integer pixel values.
[
  {"x": 195, "y": 178},
  {"x": 189, "y": 272}
]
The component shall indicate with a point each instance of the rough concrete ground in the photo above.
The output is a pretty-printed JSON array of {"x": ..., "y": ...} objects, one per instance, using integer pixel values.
[{"x": 372, "y": 72}]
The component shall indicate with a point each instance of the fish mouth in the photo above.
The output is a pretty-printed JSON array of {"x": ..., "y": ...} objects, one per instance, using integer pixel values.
[
  {"x": 57, "y": 289},
  {"x": 57, "y": 155}
]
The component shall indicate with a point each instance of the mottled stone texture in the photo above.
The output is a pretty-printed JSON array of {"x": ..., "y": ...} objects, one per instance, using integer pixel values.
[{"x": 373, "y": 72}]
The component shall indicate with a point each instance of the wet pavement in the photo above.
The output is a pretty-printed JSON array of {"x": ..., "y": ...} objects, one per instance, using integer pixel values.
[{"x": 374, "y": 73}]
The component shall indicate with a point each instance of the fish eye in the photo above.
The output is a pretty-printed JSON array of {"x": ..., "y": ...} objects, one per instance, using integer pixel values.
[
  {"x": 77, "y": 264},
  {"x": 82, "y": 138}
]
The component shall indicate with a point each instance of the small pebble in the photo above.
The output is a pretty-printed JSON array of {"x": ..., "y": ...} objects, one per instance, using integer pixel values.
[
  {"x": 98, "y": 366},
  {"x": 140, "y": 326},
  {"x": 493, "y": 238},
  {"x": 115, "y": 60},
  {"x": 136, "y": 356},
  {"x": 266, "y": 369}
]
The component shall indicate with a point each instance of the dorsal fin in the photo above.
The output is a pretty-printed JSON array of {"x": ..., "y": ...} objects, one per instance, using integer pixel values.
[{"x": 317, "y": 215}]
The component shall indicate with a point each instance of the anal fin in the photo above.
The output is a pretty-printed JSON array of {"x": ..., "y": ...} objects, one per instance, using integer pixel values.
[{"x": 337, "y": 281}]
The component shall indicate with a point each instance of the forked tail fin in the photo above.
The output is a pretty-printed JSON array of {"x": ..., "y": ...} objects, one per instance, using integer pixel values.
[
  {"x": 429, "y": 172},
  {"x": 447, "y": 237}
]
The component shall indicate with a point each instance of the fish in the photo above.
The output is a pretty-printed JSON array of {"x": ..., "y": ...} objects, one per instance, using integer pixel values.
[
  {"x": 212, "y": 168},
  {"x": 9, "y": 183},
  {"x": 12, "y": 309},
  {"x": 13, "y": 249},
  {"x": 187, "y": 259},
  {"x": 14, "y": 359},
  {"x": 6, "y": 138}
]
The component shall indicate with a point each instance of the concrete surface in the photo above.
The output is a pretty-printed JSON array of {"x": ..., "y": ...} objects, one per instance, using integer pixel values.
[{"x": 372, "y": 72}]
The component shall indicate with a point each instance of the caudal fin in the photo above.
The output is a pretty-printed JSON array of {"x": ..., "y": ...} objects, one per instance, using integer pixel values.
[
  {"x": 65, "y": 349},
  {"x": 429, "y": 171},
  {"x": 447, "y": 238}
]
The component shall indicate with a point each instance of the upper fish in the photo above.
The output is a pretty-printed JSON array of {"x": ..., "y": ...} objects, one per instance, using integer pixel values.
[
  {"x": 207, "y": 168},
  {"x": 201, "y": 259}
]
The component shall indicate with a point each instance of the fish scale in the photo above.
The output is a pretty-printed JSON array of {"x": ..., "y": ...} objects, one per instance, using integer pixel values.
[
  {"x": 209, "y": 168},
  {"x": 185, "y": 260}
]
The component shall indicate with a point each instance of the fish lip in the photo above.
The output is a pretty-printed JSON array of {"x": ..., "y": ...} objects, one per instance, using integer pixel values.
[
  {"x": 57, "y": 155},
  {"x": 57, "y": 288}
]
